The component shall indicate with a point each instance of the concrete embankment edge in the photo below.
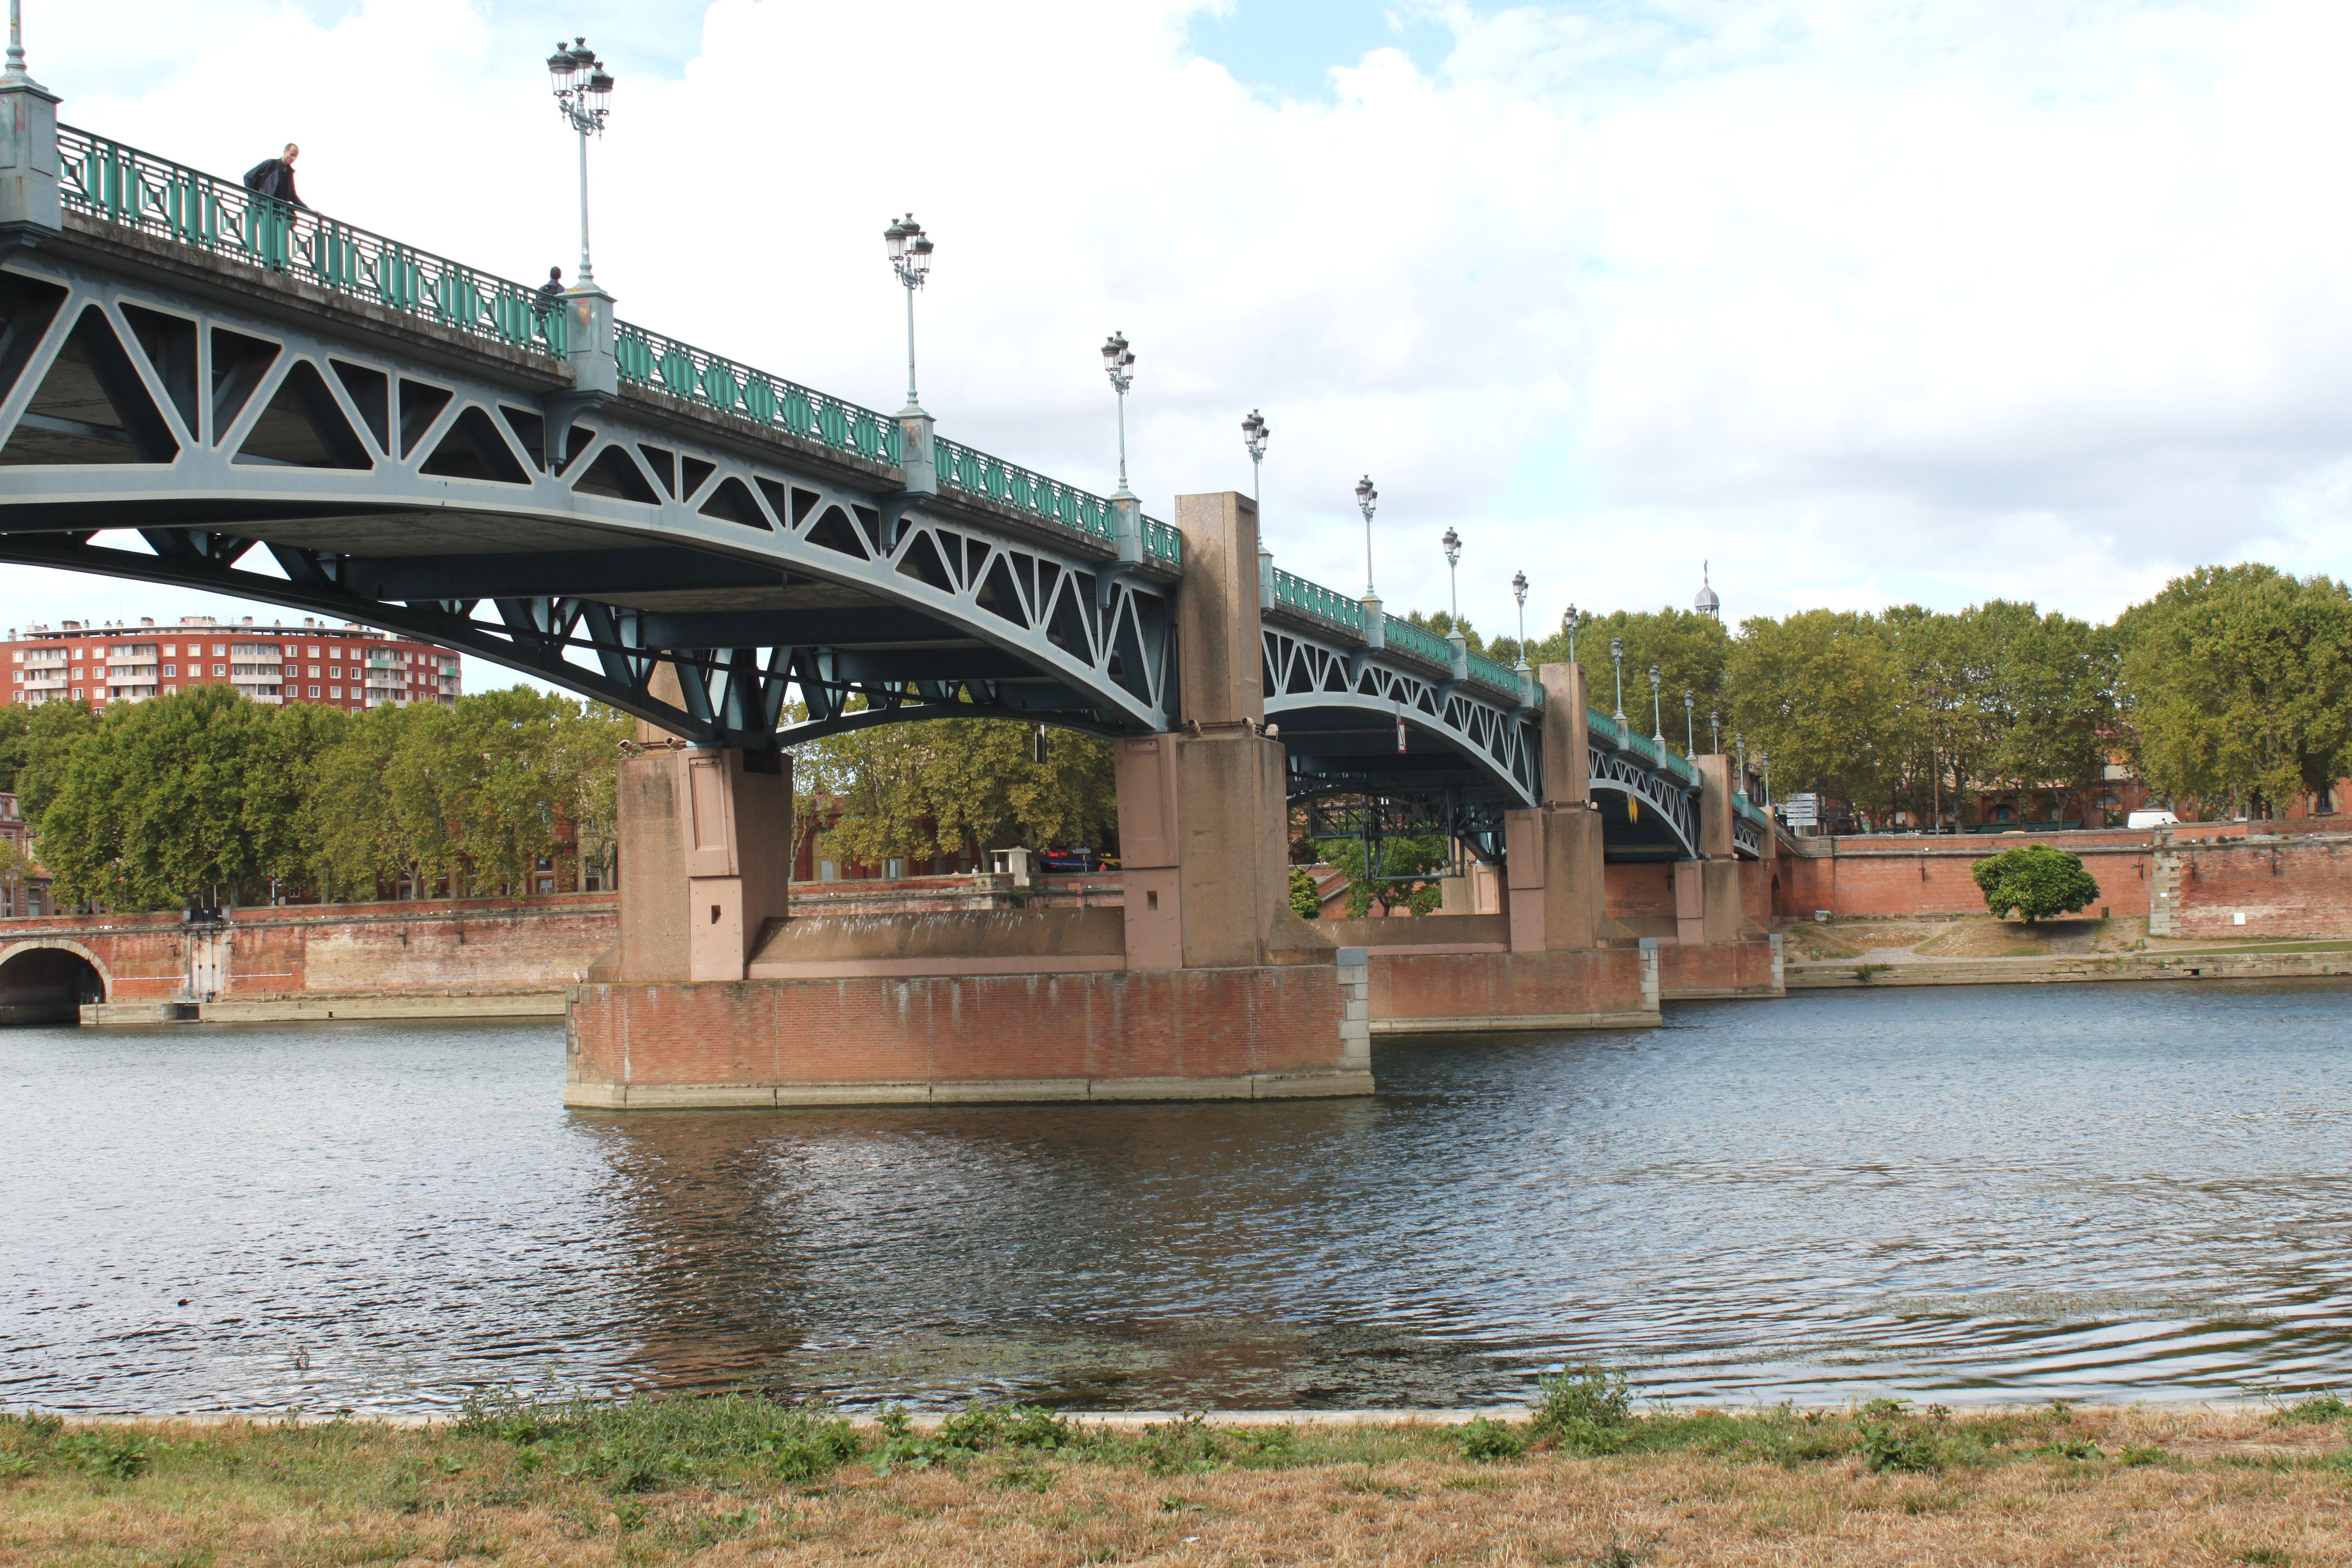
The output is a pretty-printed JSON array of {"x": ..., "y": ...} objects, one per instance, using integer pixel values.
[
  {"x": 1855, "y": 975},
  {"x": 312, "y": 1009},
  {"x": 995, "y": 1092}
]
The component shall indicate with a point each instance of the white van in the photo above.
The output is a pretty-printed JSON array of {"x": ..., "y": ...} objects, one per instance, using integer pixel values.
[{"x": 2152, "y": 820}]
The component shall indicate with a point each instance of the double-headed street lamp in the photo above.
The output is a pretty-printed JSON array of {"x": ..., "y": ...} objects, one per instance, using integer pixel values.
[
  {"x": 1255, "y": 431},
  {"x": 581, "y": 85},
  {"x": 1452, "y": 545},
  {"x": 1568, "y": 623},
  {"x": 1519, "y": 592},
  {"x": 910, "y": 257},
  {"x": 1366, "y": 498},
  {"x": 1617, "y": 656},
  {"x": 1690, "y": 723},
  {"x": 1658, "y": 714},
  {"x": 1119, "y": 363}
]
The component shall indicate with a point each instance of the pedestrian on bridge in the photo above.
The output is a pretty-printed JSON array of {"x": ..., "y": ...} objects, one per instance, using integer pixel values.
[
  {"x": 273, "y": 177},
  {"x": 550, "y": 293}
]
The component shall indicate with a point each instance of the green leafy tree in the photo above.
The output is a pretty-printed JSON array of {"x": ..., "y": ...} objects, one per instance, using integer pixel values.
[
  {"x": 1822, "y": 692},
  {"x": 1692, "y": 653},
  {"x": 1407, "y": 874},
  {"x": 2037, "y": 881},
  {"x": 153, "y": 808},
  {"x": 2237, "y": 683},
  {"x": 38, "y": 755},
  {"x": 1305, "y": 901},
  {"x": 958, "y": 786}
]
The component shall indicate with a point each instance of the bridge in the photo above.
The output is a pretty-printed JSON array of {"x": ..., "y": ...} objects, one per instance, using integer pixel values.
[{"x": 205, "y": 387}]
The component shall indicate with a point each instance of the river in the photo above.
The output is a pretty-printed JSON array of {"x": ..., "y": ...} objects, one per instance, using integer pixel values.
[{"x": 2106, "y": 1192}]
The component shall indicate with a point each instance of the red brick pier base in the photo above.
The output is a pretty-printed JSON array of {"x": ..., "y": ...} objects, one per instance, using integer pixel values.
[{"x": 1255, "y": 1033}]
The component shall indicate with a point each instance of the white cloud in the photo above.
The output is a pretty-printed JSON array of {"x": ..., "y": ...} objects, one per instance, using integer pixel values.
[{"x": 1863, "y": 301}]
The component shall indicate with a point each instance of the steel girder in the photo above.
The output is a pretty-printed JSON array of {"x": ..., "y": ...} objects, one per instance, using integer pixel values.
[
  {"x": 1674, "y": 802},
  {"x": 304, "y": 462},
  {"x": 1339, "y": 706}
]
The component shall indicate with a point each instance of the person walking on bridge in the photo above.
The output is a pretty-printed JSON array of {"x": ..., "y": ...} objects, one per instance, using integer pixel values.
[{"x": 273, "y": 177}]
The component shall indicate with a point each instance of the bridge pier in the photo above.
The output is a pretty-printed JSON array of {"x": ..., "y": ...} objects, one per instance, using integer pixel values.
[{"x": 1202, "y": 985}]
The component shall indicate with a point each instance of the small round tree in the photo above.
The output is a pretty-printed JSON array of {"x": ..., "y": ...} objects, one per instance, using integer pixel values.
[{"x": 2035, "y": 880}]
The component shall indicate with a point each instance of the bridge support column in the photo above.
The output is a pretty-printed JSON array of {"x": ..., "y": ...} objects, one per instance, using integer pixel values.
[
  {"x": 1556, "y": 893},
  {"x": 30, "y": 209},
  {"x": 1719, "y": 950},
  {"x": 705, "y": 859},
  {"x": 1205, "y": 985}
]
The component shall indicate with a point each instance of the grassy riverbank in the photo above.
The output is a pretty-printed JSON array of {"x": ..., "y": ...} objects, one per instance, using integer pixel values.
[{"x": 1588, "y": 1481}]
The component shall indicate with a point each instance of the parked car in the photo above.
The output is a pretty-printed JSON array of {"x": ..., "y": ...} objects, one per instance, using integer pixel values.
[
  {"x": 2151, "y": 819},
  {"x": 1063, "y": 862}
]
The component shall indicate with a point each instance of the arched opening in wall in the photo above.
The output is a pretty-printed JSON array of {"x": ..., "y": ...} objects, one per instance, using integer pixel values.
[
  {"x": 1775, "y": 905},
  {"x": 48, "y": 986}
]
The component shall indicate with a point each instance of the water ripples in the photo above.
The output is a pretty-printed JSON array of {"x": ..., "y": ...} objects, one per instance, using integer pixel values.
[{"x": 2126, "y": 1192}]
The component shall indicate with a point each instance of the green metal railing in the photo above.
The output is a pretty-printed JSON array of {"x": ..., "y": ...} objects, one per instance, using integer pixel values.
[
  {"x": 1162, "y": 542},
  {"x": 976, "y": 473},
  {"x": 157, "y": 197},
  {"x": 1600, "y": 724},
  {"x": 1494, "y": 675},
  {"x": 1404, "y": 637},
  {"x": 1292, "y": 592},
  {"x": 649, "y": 359}
]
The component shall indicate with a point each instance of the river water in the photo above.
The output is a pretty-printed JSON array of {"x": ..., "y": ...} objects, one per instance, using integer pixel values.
[{"x": 1983, "y": 1193}]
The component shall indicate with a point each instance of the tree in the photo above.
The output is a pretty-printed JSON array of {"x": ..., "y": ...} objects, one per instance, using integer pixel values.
[
  {"x": 37, "y": 756},
  {"x": 1692, "y": 653},
  {"x": 1404, "y": 879},
  {"x": 1305, "y": 901},
  {"x": 958, "y": 786},
  {"x": 2036, "y": 880},
  {"x": 2238, "y": 686},
  {"x": 1822, "y": 692},
  {"x": 153, "y": 808}
]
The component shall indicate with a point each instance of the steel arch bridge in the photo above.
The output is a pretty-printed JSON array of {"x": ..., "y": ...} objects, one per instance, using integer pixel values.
[{"x": 203, "y": 388}]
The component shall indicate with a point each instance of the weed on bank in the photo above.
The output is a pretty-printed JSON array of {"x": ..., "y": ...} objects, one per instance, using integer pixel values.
[{"x": 1586, "y": 1478}]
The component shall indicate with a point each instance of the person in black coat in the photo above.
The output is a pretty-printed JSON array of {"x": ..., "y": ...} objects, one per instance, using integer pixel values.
[{"x": 273, "y": 177}]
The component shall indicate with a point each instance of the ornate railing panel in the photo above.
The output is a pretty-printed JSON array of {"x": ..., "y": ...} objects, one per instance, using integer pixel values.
[
  {"x": 1494, "y": 675},
  {"x": 1294, "y": 593},
  {"x": 155, "y": 196},
  {"x": 1418, "y": 641},
  {"x": 977, "y": 474},
  {"x": 1162, "y": 542},
  {"x": 647, "y": 359}
]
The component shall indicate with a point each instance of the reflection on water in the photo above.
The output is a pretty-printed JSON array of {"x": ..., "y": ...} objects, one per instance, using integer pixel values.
[{"x": 1980, "y": 1193}]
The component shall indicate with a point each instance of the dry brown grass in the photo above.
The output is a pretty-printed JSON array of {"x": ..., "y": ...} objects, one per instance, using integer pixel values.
[{"x": 2202, "y": 1487}]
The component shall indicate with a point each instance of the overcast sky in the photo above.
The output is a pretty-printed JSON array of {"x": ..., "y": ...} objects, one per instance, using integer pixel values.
[{"x": 1865, "y": 302}]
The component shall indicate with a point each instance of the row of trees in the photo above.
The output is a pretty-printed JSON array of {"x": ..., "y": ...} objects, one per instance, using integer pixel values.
[
  {"x": 2231, "y": 690},
  {"x": 207, "y": 793}
]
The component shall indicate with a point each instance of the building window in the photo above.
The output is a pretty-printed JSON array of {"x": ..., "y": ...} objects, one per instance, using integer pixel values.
[
  {"x": 314, "y": 692},
  {"x": 171, "y": 671},
  {"x": 77, "y": 693}
]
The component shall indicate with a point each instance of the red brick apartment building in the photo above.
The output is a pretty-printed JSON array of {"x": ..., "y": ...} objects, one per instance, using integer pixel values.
[{"x": 342, "y": 667}]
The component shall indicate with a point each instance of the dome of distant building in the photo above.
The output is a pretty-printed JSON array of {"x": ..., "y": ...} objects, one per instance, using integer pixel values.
[{"x": 1707, "y": 603}]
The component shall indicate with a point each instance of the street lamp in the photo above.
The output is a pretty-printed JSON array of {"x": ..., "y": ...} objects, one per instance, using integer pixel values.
[
  {"x": 1368, "y": 498},
  {"x": 1764, "y": 760},
  {"x": 1657, "y": 713},
  {"x": 1119, "y": 362},
  {"x": 1255, "y": 431},
  {"x": 1690, "y": 723},
  {"x": 581, "y": 85},
  {"x": 910, "y": 257},
  {"x": 1715, "y": 731},
  {"x": 1568, "y": 623},
  {"x": 1452, "y": 543},
  {"x": 1519, "y": 592},
  {"x": 1617, "y": 656}
]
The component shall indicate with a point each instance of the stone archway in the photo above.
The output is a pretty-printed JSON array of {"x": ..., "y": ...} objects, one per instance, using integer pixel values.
[{"x": 48, "y": 982}]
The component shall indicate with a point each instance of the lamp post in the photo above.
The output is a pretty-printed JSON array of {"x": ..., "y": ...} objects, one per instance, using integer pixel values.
[
  {"x": 1617, "y": 656},
  {"x": 1368, "y": 498},
  {"x": 1568, "y": 623},
  {"x": 910, "y": 259},
  {"x": 1119, "y": 362},
  {"x": 1741, "y": 742},
  {"x": 1452, "y": 545},
  {"x": 1690, "y": 723},
  {"x": 1519, "y": 592},
  {"x": 581, "y": 85},
  {"x": 1715, "y": 730},
  {"x": 1764, "y": 760},
  {"x": 1255, "y": 431},
  {"x": 1657, "y": 713}
]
